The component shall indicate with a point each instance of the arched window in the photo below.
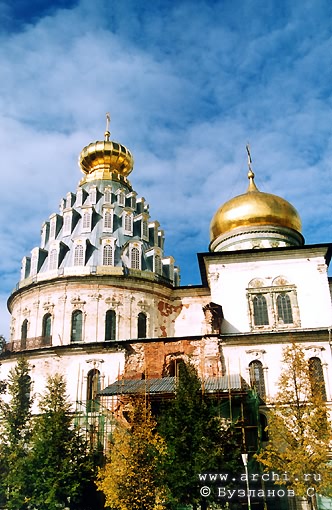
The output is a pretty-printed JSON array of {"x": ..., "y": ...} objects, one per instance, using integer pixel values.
[
  {"x": 174, "y": 367},
  {"x": 284, "y": 308},
  {"x": 141, "y": 325},
  {"x": 135, "y": 258},
  {"x": 76, "y": 326},
  {"x": 257, "y": 377},
  {"x": 24, "y": 334},
  {"x": 110, "y": 325},
  {"x": 46, "y": 330},
  {"x": 107, "y": 255},
  {"x": 92, "y": 390},
  {"x": 78, "y": 255},
  {"x": 317, "y": 377},
  {"x": 261, "y": 317},
  {"x": 53, "y": 260}
]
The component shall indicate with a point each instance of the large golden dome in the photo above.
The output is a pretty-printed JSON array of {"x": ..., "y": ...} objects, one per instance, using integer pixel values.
[
  {"x": 254, "y": 209},
  {"x": 105, "y": 160}
]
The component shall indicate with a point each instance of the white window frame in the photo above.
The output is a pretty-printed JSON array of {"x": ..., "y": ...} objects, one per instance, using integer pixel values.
[
  {"x": 108, "y": 227},
  {"x": 135, "y": 256},
  {"x": 67, "y": 223},
  {"x": 121, "y": 198},
  {"x": 79, "y": 197},
  {"x": 53, "y": 258},
  {"x": 108, "y": 259},
  {"x": 87, "y": 219},
  {"x": 108, "y": 195},
  {"x": 79, "y": 258},
  {"x": 128, "y": 223},
  {"x": 52, "y": 228},
  {"x": 93, "y": 195}
]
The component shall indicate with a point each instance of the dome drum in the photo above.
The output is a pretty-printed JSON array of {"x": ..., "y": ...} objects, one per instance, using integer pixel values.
[{"x": 256, "y": 237}]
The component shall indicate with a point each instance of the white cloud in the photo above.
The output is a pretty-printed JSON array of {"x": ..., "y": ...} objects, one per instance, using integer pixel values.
[{"x": 187, "y": 86}]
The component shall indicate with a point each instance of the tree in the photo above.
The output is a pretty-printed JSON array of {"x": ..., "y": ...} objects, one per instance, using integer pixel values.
[
  {"x": 299, "y": 429},
  {"x": 198, "y": 440},
  {"x": 15, "y": 438},
  {"x": 60, "y": 463},
  {"x": 132, "y": 475}
]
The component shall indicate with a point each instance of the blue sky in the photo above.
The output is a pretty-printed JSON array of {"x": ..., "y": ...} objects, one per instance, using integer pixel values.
[{"x": 188, "y": 84}]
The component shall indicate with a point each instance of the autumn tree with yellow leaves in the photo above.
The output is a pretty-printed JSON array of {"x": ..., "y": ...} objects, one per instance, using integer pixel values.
[
  {"x": 299, "y": 429},
  {"x": 132, "y": 477}
]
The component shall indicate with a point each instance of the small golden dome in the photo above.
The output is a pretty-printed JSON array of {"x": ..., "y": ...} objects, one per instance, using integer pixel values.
[
  {"x": 254, "y": 209},
  {"x": 105, "y": 159}
]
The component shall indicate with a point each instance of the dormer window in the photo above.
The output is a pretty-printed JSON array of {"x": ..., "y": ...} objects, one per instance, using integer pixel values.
[
  {"x": 121, "y": 198},
  {"x": 70, "y": 200},
  {"x": 25, "y": 270},
  {"x": 145, "y": 230},
  {"x": 108, "y": 220},
  {"x": 79, "y": 197},
  {"x": 131, "y": 200},
  {"x": 107, "y": 255},
  {"x": 93, "y": 195},
  {"x": 135, "y": 256},
  {"x": 37, "y": 259},
  {"x": 55, "y": 225},
  {"x": 52, "y": 228},
  {"x": 87, "y": 220},
  {"x": 108, "y": 195},
  {"x": 53, "y": 259},
  {"x": 128, "y": 223},
  {"x": 44, "y": 234},
  {"x": 79, "y": 255},
  {"x": 67, "y": 223},
  {"x": 157, "y": 264}
]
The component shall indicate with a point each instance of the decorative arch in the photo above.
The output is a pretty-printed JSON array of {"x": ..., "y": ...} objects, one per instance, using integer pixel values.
[{"x": 280, "y": 281}]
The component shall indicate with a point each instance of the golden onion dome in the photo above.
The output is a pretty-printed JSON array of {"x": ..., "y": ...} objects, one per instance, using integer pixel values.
[
  {"x": 105, "y": 159},
  {"x": 254, "y": 209}
]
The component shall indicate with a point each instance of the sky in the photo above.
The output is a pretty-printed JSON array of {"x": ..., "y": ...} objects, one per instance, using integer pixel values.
[{"x": 188, "y": 84}]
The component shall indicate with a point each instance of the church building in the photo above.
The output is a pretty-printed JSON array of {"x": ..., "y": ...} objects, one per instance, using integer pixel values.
[{"x": 101, "y": 302}]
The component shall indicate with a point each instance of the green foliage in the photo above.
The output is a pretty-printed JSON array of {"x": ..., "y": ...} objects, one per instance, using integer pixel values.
[
  {"x": 15, "y": 438},
  {"x": 299, "y": 430},
  {"x": 59, "y": 463},
  {"x": 132, "y": 476},
  {"x": 198, "y": 440}
]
